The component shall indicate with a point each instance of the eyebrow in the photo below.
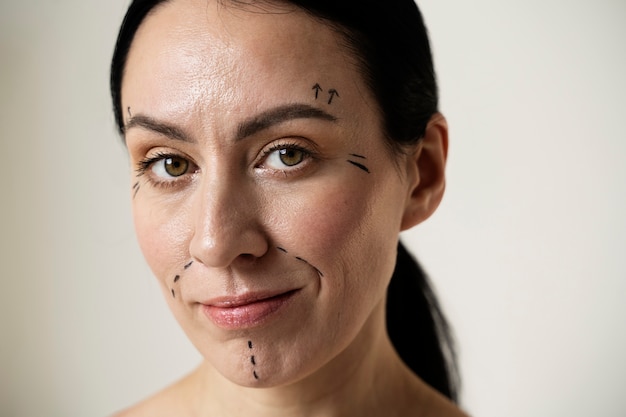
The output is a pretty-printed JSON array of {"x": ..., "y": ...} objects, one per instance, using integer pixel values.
[
  {"x": 164, "y": 129},
  {"x": 249, "y": 127},
  {"x": 279, "y": 115}
]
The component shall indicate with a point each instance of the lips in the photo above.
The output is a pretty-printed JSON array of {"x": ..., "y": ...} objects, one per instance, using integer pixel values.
[{"x": 246, "y": 311}]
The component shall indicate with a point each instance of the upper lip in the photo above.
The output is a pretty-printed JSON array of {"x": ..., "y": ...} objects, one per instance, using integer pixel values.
[{"x": 232, "y": 301}]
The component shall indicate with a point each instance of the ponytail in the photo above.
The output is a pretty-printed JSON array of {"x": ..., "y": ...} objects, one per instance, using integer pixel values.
[{"x": 418, "y": 328}]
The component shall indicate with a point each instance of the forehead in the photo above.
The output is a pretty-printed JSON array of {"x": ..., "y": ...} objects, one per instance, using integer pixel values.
[
  {"x": 198, "y": 50},
  {"x": 231, "y": 24}
]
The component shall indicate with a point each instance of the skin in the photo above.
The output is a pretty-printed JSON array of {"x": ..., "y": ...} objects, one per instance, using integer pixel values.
[{"x": 239, "y": 221}]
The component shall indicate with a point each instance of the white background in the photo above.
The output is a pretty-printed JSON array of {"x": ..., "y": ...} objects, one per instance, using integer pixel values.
[{"x": 526, "y": 251}]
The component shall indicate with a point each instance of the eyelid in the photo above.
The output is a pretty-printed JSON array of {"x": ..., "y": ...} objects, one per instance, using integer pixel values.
[
  {"x": 288, "y": 143},
  {"x": 145, "y": 165}
]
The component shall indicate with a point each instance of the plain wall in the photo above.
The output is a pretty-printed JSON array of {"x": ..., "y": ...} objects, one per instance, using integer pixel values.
[{"x": 526, "y": 250}]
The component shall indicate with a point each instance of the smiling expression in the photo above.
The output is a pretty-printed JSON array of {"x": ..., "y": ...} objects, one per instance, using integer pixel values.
[{"x": 265, "y": 198}]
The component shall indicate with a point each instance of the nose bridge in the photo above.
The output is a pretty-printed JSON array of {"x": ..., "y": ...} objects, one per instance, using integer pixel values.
[{"x": 226, "y": 223}]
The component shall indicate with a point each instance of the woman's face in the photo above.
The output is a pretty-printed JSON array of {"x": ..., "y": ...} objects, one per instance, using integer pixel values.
[{"x": 265, "y": 198}]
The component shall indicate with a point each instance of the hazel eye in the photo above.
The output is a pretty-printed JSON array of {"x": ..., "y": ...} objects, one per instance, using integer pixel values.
[
  {"x": 286, "y": 156},
  {"x": 171, "y": 166}
]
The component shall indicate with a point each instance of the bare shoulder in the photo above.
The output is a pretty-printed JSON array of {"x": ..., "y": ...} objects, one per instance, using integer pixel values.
[
  {"x": 436, "y": 405},
  {"x": 170, "y": 401},
  {"x": 154, "y": 406},
  {"x": 422, "y": 400}
]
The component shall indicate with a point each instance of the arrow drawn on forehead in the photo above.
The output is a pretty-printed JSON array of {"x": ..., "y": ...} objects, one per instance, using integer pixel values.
[
  {"x": 332, "y": 92},
  {"x": 317, "y": 89}
]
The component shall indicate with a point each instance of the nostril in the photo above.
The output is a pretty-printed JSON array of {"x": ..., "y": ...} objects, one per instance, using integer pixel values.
[{"x": 246, "y": 260}]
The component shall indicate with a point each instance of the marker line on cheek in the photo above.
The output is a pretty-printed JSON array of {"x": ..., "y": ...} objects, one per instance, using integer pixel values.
[
  {"x": 177, "y": 277},
  {"x": 321, "y": 275},
  {"x": 309, "y": 264}
]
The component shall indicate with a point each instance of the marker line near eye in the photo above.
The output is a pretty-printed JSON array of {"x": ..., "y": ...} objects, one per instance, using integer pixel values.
[
  {"x": 136, "y": 187},
  {"x": 360, "y": 166}
]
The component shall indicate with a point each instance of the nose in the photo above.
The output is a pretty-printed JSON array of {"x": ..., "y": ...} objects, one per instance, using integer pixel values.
[{"x": 227, "y": 224}]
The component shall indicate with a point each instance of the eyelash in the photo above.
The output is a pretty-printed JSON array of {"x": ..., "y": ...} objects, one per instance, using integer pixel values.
[
  {"x": 290, "y": 146},
  {"x": 145, "y": 166}
]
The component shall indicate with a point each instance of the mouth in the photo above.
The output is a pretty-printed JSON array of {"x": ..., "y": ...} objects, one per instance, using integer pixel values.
[{"x": 235, "y": 313}]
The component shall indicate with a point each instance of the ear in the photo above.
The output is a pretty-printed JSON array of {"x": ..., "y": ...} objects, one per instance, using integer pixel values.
[{"x": 426, "y": 173}]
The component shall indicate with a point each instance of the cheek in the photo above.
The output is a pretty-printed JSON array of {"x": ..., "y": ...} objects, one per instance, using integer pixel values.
[
  {"x": 162, "y": 236},
  {"x": 344, "y": 228}
]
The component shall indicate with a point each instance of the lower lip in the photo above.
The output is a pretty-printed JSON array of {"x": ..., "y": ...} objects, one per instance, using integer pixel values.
[{"x": 248, "y": 315}]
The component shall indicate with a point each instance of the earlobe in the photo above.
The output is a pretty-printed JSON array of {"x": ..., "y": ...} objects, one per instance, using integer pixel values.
[{"x": 427, "y": 173}]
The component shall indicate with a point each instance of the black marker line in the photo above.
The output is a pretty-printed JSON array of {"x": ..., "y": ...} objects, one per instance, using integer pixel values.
[
  {"x": 188, "y": 265},
  {"x": 173, "y": 293},
  {"x": 136, "y": 187},
  {"x": 360, "y": 166},
  {"x": 309, "y": 264},
  {"x": 250, "y": 344},
  {"x": 129, "y": 113},
  {"x": 302, "y": 260},
  {"x": 332, "y": 93},
  {"x": 176, "y": 278},
  {"x": 317, "y": 89},
  {"x": 255, "y": 375},
  {"x": 252, "y": 360},
  {"x": 358, "y": 156}
]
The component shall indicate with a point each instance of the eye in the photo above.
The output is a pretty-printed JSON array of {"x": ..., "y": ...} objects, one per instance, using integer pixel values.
[
  {"x": 170, "y": 166},
  {"x": 283, "y": 156}
]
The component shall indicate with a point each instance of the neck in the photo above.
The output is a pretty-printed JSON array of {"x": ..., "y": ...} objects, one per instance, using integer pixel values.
[{"x": 356, "y": 382}]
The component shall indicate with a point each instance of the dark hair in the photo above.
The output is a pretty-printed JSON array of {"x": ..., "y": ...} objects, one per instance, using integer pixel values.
[{"x": 390, "y": 43}]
